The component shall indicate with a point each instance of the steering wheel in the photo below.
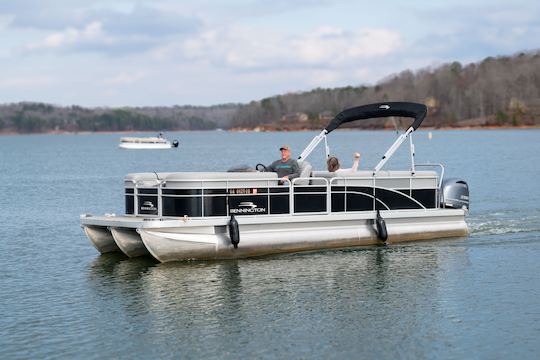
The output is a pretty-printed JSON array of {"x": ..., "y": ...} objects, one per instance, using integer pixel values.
[{"x": 259, "y": 166}]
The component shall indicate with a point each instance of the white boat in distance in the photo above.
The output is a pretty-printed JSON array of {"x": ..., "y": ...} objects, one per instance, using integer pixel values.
[
  {"x": 224, "y": 215},
  {"x": 155, "y": 142}
]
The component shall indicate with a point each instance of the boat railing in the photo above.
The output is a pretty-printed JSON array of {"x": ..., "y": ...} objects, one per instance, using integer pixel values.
[
  {"x": 151, "y": 140},
  {"x": 309, "y": 187},
  {"x": 440, "y": 167},
  {"x": 434, "y": 165},
  {"x": 350, "y": 183},
  {"x": 266, "y": 196}
]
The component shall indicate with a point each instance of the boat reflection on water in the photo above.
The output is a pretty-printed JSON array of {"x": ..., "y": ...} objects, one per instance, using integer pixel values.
[
  {"x": 257, "y": 301},
  {"x": 116, "y": 282},
  {"x": 116, "y": 266}
]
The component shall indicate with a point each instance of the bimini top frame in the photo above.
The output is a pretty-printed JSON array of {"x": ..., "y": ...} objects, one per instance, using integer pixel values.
[{"x": 377, "y": 110}]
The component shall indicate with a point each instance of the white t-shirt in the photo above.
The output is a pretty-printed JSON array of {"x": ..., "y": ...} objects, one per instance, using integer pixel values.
[{"x": 351, "y": 169}]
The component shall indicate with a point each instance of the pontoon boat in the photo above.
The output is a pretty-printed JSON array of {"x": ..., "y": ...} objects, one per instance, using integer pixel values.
[
  {"x": 155, "y": 142},
  {"x": 223, "y": 215}
]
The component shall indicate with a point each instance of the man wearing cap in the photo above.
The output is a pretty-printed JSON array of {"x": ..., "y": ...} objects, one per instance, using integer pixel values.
[{"x": 286, "y": 168}]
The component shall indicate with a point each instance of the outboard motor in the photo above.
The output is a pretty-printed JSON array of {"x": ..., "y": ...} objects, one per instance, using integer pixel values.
[
  {"x": 455, "y": 194},
  {"x": 175, "y": 143}
]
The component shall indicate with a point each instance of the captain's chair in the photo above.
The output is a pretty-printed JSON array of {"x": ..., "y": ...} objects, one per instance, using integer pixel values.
[{"x": 305, "y": 172}]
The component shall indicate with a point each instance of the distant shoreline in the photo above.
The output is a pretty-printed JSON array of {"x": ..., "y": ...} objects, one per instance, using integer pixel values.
[{"x": 491, "y": 127}]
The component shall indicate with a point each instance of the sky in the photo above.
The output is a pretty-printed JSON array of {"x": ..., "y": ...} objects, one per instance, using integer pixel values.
[{"x": 117, "y": 53}]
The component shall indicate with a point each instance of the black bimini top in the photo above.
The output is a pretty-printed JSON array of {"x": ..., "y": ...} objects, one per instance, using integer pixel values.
[{"x": 384, "y": 109}]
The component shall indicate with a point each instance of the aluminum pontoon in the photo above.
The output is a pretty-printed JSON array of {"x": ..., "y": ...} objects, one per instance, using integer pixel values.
[{"x": 222, "y": 215}]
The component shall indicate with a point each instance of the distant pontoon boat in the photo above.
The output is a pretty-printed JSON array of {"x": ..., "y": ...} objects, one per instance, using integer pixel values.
[
  {"x": 223, "y": 215},
  {"x": 156, "y": 142}
]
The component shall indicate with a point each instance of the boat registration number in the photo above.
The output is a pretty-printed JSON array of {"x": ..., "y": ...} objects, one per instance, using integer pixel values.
[{"x": 242, "y": 191}]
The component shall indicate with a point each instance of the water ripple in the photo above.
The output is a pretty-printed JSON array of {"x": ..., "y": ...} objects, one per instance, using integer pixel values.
[
  {"x": 508, "y": 221},
  {"x": 454, "y": 298}
]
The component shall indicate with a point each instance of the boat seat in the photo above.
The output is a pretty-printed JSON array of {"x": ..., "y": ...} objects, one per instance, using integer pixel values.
[
  {"x": 388, "y": 178},
  {"x": 202, "y": 179},
  {"x": 305, "y": 173},
  {"x": 370, "y": 173}
]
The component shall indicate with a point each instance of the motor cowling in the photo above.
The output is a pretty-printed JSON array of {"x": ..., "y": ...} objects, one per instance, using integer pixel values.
[
  {"x": 455, "y": 194},
  {"x": 175, "y": 143}
]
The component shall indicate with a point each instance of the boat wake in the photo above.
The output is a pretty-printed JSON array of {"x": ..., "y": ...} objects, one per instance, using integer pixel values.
[{"x": 508, "y": 221}]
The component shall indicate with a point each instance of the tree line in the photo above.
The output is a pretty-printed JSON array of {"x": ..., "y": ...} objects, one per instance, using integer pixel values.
[
  {"x": 497, "y": 91},
  {"x": 28, "y": 117}
]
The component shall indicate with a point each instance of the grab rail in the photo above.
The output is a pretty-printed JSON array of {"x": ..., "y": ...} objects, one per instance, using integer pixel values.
[
  {"x": 327, "y": 193},
  {"x": 267, "y": 187},
  {"x": 441, "y": 176}
]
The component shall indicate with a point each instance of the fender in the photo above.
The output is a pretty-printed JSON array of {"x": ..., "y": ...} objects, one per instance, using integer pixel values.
[{"x": 234, "y": 232}]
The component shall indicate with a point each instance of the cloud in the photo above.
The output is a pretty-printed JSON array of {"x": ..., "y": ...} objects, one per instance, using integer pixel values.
[
  {"x": 148, "y": 21},
  {"x": 124, "y": 78},
  {"x": 38, "y": 14},
  {"x": 112, "y": 31},
  {"x": 209, "y": 51},
  {"x": 71, "y": 36},
  {"x": 465, "y": 33},
  {"x": 323, "y": 78},
  {"x": 138, "y": 19},
  {"x": 245, "y": 48},
  {"x": 25, "y": 81}
]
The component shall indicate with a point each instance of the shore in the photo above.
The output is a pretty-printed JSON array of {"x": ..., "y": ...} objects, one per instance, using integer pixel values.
[{"x": 256, "y": 129}]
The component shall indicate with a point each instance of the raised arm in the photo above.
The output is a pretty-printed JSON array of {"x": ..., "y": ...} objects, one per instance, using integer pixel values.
[{"x": 356, "y": 161}]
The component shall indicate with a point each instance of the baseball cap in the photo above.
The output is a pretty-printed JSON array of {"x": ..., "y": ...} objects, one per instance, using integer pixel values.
[{"x": 285, "y": 147}]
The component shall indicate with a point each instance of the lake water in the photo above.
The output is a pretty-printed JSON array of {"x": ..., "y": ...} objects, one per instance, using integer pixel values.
[{"x": 474, "y": 298}]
